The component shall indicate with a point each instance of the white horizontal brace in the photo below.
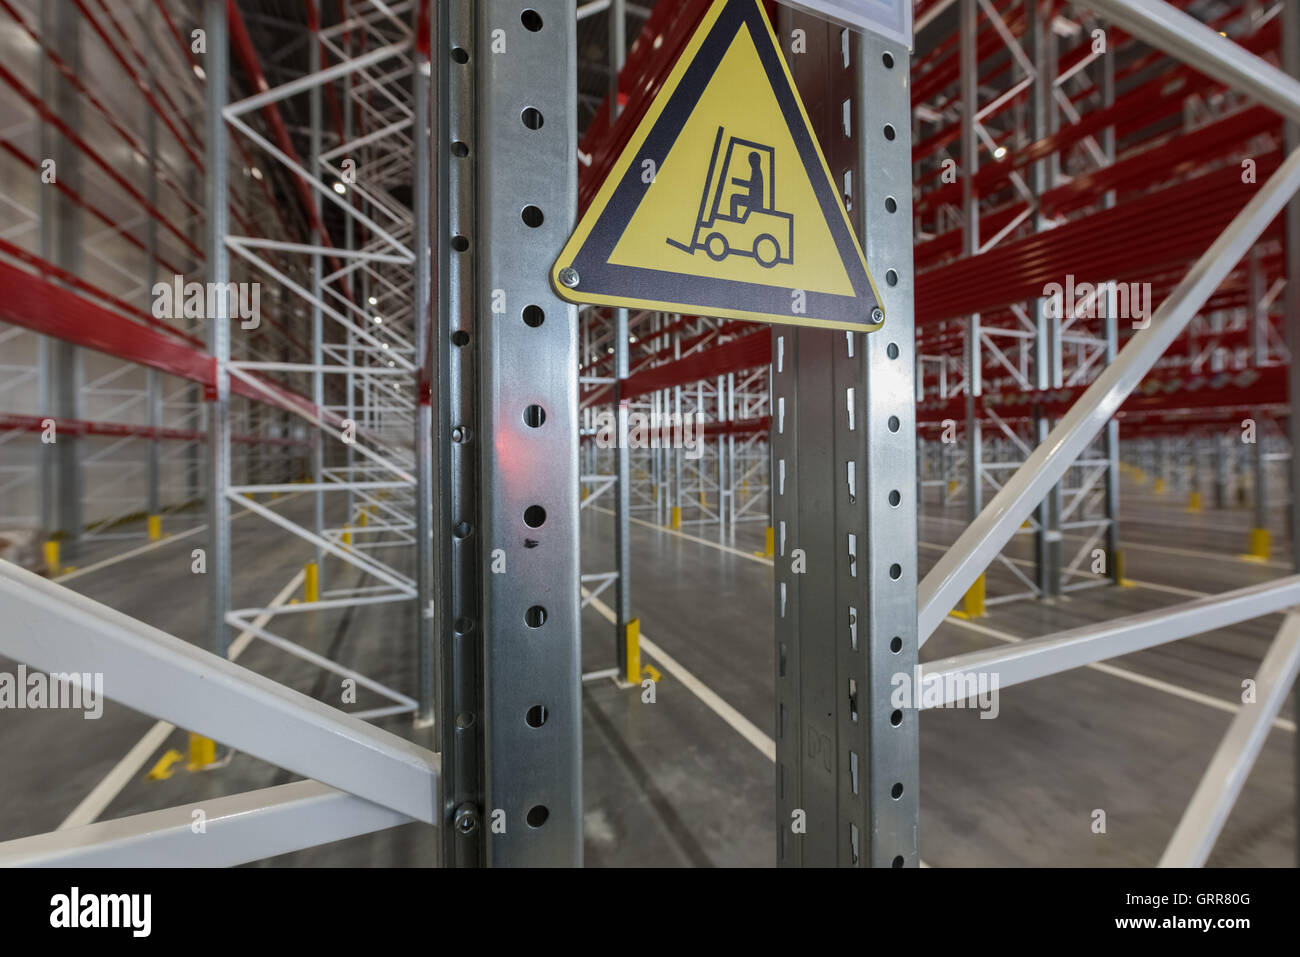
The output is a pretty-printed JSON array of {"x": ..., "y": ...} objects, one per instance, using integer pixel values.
[
  {"x": 1052, "y": 654},
  {"x": 236, "y": 829},
  {"x": 53, "y": 628}
]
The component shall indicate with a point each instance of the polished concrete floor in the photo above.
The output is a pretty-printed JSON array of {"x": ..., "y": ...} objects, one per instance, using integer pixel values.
[{"x": 687, "y": 780}]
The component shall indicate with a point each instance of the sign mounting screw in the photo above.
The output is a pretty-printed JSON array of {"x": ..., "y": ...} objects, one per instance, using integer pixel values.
[
  {"x": 569, "y": 276},
  {"x": 877, "y": 314}
]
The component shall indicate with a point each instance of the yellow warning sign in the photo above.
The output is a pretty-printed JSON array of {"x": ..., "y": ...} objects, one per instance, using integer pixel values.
[{"x": 721, "y": 203}]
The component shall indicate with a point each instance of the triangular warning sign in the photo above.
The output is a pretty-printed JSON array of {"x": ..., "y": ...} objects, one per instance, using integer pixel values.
[{"x": 721, "y": 203}]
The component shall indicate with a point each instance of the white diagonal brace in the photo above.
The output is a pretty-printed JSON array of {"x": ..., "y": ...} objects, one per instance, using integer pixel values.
[
  {"x": 1184, "y": 37},
  {"x": 1225, "y": 777},
  {"x": 53, "y": 628},
  {"x": 943, "y": 587}
]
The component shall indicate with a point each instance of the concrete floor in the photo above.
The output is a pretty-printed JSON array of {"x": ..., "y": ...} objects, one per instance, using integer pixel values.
[{"x": 686, "y": 781}]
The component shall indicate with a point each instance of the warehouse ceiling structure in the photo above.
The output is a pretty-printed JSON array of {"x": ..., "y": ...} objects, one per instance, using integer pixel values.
[{"x": 562, "y": 432}]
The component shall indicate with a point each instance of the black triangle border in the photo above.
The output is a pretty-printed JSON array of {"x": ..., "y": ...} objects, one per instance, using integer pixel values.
[{"x": 600, "y": 277}]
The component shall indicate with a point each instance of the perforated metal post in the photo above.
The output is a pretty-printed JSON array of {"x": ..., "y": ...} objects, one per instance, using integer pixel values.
[
  {"x": 506, "y": 434},
  {"x": 843, "y": 471},
  {"x": 218, "y": 559}
]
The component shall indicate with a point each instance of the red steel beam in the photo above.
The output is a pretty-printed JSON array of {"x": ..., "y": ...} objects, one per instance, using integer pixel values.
[{"x": 10, "y": 422}]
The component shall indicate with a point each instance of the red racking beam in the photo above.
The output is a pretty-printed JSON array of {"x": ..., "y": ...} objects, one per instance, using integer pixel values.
[
  {"x": 41, "y": 306},
  {"x": 1166, "y": 228},
  {"x": 10, "y": 422}
]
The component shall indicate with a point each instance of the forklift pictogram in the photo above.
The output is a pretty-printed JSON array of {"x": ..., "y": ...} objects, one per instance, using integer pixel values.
[{"x": 738, "y": 214}]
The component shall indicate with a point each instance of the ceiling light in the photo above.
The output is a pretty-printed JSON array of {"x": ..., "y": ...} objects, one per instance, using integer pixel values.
[{"x": 340, "y": 188}]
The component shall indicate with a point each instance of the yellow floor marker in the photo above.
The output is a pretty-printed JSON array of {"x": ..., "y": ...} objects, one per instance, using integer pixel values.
[
  {"x": 311, "y": 582},
  {"x": 972, "y": 603},
  {"x": 1261, "y": 545},
  {"x": 1119, "y": 570},
  {"x": 52, "y": 557},
  {"x": 1193, "y": 501},
  {"x": 155, "y": 527},
  {"x": 1158, "y": 486},
  {"x": 203, "y": 751},
  {"x": 769, "y": 542},
  {"x": 676, "y": 521},
  {"x": 632, "y": 644},
  {"x": 165, "y": 767}
]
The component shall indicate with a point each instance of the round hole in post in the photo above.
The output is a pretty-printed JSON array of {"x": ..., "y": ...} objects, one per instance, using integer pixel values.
[
  {"x": 465, "y": 720},
  {"x": 893, "y": 423},
  {"x": 460, "y": 54},
  {"x": 892, "y": 350},
  {"x": 887, "y": 58},
  {"x": 532, "y": 118},
  {"x": 459, "y": 243},
  {"x": 531, "y": 19},
  {"x": 536, "y": 716},
  {"x": 896, "y": 718},
  {"x": 459, "y": 149},
  {"x": 896, "y": 644},
  {"x": 464, "y": 626},
  {"x": 537, "y": 815},
  {"x": 894, "y": 498},
  {"x": 534, "y": 416},
  {"x": 895, "y": 571},
  {"x": 896, "y": 791},
  {"x": 890, "y": 133},
  {"x": 534, "y": 516},
  {"x": 460, "y": 338},
  {"x": 535, "y": 616},
  {"x": 461, "y": 530},
  {"x": 891, "y": 277},
  {"x": 898, "y": 861},
  {"x": 532, "y": 216},
  {"x": 533, "y": 316},
  {"x": 891, "y": 204}
]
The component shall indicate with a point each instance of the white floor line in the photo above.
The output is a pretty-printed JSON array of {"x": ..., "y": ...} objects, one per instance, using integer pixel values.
[
  {"x": 691, "y": 538},
  {"x": 742, "y": 725},
  {"x": 1166, "y": 549},
  {"x": 1155, "y": 683},
  {"x": 166, "y": 540},
  {"x": 94, "y": 803},
  {"x": 746, "y": 728},
  {"x": 1172, "y": 589},
  {"x": 1177, "y": 691}
]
